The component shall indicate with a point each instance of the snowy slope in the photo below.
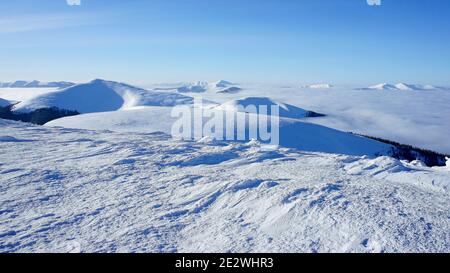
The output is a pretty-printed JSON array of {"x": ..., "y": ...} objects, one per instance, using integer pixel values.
[
  {"x": 95, "y": 191},
  {"x": 229, "y": 90},
  {"x": 293, "y": 134},
  {"x": 102, "y": 96},
  {"x": 223, "y": 83},
  {"x": 418, "y": 87},
  {"x": 4, "y": 102},
  {"x": 285, "y": 110},
  {"x": 383, "y": 114},
  {"x": 381, "y": 86},
  {"x": 35, "y": 84}
]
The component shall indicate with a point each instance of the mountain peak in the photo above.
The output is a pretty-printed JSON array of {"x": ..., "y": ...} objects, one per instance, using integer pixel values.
[
  {"x": 222, "y": 83},
  {"x": 97, "y": 81}
]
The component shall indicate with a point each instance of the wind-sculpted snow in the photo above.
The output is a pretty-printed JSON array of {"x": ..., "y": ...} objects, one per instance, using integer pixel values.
[
  {"x": 102, "y": 96},
  {"x": 69, "y": 190}
]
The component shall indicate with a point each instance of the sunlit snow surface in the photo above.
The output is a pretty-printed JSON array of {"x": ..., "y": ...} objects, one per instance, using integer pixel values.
[
  {"x": 138, "y": 190},
  {"x": 70, "y": 190},
  {"x": 414, "y": 117}
]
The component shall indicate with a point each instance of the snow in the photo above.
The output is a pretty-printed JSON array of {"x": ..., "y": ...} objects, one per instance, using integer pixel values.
[
  {"x": 381, "y": 86},
  {"x": 415, "y": 118},
  {"x": 102, "y": 191},
  {"x": 285, "y": 110},
  {"x": 292, "y": 133},
  {"x": 101, "y": 96},
  {"x": 200, "y": 87},
  {"x": 223, "y": 83},
  {"x": 4, "y": 103},
  {"x": 403, "y": 87},
  {"x": 197, "y": 87},
  {"x": 23, "y": 94},
  {"x": 112, "y": 179},
  {"x": 230, "y": 90}
]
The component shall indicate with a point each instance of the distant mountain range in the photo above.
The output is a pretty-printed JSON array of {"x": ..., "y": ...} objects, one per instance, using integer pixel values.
[
  {"x": 221, "y": 86},
  {"x": 403, "y": 87},
  {"x": 35, "y": 84}
]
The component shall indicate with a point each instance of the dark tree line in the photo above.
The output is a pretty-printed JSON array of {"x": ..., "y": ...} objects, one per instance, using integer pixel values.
[
  {"x": 39, "y": 116},
  {"x": 411, "y": 153}
]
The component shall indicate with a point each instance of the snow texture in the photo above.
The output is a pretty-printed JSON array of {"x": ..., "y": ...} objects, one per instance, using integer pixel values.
[{"x": 102, "y": 191}]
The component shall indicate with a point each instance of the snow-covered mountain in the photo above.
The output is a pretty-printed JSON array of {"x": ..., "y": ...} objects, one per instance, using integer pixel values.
[
  {"x": 101, "y": 96},
  {"x": 381, "y": 86},
  {"x": 171, "y": 195},
  {"x": 35, "y": 84},
  {"x": 197, "y": 87},
  {"x": 285, "y": 110},
  {"x": 70, "y": 190},
  {"x": 220, "y": 87},
  {"x": 223, "y": 84},
  {"x": 230, "y": 90},
  {"x": 403, "y": 87},
  {"x": 417, "y": 87}
]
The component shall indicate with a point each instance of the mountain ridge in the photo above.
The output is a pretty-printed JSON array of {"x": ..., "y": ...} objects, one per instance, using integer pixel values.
[{"x": 35, "y": 84}]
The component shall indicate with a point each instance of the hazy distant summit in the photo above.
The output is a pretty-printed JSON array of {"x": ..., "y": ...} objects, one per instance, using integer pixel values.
[
  {"x": 403, "y": 87},
  {"x": 36, "y": 84}
]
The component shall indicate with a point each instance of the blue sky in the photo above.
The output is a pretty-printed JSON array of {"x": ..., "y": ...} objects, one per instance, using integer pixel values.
[{"x": 295, "y": 41}]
